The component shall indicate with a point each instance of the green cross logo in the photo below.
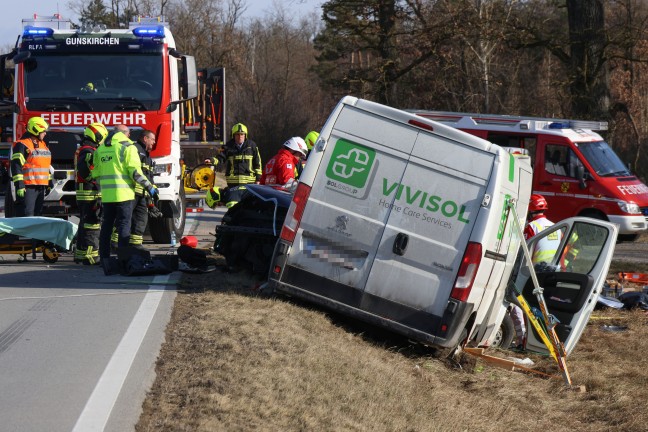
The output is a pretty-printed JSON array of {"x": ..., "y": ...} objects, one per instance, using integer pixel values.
[{"x": 350, "y": 163}]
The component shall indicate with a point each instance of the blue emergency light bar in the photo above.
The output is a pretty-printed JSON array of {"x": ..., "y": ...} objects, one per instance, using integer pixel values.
[
  {"x": 38, "y": 31},
  {"x": 558, "y": 125},
  {"x": 152, "y": 31}
]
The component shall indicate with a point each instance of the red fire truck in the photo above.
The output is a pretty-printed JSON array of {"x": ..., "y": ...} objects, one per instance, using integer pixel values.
[
  {"x": 573, "y": 167},
  {"x": 135, "y": 76}
]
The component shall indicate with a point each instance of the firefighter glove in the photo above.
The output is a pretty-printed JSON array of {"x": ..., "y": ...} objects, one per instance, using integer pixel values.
[
  {"x": 20, "y": 193},
  {"x": 153, "y": 191}
]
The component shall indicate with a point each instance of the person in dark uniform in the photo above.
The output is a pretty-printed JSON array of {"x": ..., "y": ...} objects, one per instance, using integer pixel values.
[
  {"x": 144, "y": 146},
  {"x": 241, "y": 157}
]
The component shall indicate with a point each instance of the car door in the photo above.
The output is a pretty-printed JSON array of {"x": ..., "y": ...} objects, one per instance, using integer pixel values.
[{"x": 572, "y": 281}]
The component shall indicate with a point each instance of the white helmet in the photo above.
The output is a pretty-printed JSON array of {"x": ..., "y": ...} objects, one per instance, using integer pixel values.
[{"x": 297, "y": 144}]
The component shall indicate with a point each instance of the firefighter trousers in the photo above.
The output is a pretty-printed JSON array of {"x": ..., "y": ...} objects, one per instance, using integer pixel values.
[
  {"x": 32, "y": 203},
  {"x": 87, "y": 243},
  {"x": 116, "y": 215},
  {"x": 139, "y": 221}
]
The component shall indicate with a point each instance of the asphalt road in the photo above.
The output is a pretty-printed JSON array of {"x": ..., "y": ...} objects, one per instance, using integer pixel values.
[{"x": 77, "y": 348}]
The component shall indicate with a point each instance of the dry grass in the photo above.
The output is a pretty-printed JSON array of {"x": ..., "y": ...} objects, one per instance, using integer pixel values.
[{"x": 238, "y": 361}]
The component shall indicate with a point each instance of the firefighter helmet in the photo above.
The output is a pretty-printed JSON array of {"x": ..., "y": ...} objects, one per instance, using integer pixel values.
[
  {"x": 310, "y": 139},
  {"x": 190, "y": 241},
  {"x": 96, "y": 132},
  {"x": 213, "y": 197},
  {"x": 538, "y": 203},
  {"x": 36, "y": 125},
  {"x": 239, "y": 128},
  {"x": 297, "y": 144}
]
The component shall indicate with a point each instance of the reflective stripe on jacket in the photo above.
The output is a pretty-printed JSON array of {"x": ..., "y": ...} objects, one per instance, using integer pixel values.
[
  {"x": 546, "y": 248},
  {"x": 242, "y": 165},
  {"x": 86, "y": 188},
  {"x": 117, "y": 169},
  {"x": 30, "y": 163}
]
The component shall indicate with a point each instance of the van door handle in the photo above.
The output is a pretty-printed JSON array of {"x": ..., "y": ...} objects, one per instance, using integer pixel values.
[
  {"x": 546, "y": 183},
  {"x": 400, "y": 244}
]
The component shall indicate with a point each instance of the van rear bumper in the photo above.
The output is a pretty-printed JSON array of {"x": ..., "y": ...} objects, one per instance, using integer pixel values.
[{"x": 443, "y": 331}]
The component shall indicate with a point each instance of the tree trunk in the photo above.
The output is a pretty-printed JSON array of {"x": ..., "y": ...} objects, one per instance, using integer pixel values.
[{"x": 589, "y": 70}]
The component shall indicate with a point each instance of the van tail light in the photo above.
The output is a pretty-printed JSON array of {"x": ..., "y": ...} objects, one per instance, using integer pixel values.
[
  {"x": 467, "y": 272},
  {"x": 295, "y": 212}
]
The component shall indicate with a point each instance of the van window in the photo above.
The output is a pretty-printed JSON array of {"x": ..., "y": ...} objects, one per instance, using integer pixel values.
[{"x": 579, "y": 254}]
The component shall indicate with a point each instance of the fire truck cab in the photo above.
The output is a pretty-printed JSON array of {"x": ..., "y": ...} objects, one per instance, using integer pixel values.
[
  {"x": 573, "y": 167},
  {"x": 134, "y": 76}
]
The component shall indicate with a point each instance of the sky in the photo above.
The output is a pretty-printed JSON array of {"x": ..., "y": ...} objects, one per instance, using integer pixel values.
[{"x": 20, "y": 9}]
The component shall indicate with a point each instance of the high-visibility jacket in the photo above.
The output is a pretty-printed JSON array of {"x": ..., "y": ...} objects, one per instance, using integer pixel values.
[
  {"x": 117, "y": 169},
  {"x": 86, "y": 187},
  {"x": 147, "y": 165},
  {"x": 242, "y": 164},
  {"x": 30, "y": 163},
  {"x": 280, "y": 169},
  {"x": 546, "y": 248}
]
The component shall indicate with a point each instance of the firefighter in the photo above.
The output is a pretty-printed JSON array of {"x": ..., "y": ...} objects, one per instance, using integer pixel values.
[
  {"x": 281, "y": 170},
  {"x": 310, "y": 140},
  {"x": 88, "y": 196},
  {"x": 126, "y": 131},
  {"x": 241, "y": 157},
  {"x": 31, "y": 169},
  {"x": 227, "y": 196},
  {"x": 143, "y": 145},
  {"x": 117, "y": 168},
  {"x": 546, "y": 248}
]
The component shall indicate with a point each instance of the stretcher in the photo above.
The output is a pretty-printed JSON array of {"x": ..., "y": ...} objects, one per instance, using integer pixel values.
[{"x": 37, "y": 234}]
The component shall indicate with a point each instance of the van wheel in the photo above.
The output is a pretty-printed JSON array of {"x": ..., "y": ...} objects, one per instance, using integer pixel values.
[{"x": 505, "y": 333}]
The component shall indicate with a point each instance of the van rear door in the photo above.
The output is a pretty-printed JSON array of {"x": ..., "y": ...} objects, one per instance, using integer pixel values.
[
  {"x": 435, "y": 206},
  {"x": 344, "y": 218}
]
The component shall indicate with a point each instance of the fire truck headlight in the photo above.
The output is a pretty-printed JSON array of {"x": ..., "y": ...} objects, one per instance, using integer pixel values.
[
  {"x": 629, "y": 207},
  {"x": 162, "y": 169}
]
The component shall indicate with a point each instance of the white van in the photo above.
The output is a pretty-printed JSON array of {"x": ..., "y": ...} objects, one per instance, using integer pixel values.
[{"x": 403, "y": 222}]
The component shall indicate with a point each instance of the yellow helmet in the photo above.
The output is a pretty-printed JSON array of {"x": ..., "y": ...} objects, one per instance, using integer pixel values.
[
  {"x": 96, "y": 132},
  {"x": 36, "y": 125},
  {"x": 239, "y": 128},
  {"x": 310, "y": 139},
  {"x": 212, "y": 197}
]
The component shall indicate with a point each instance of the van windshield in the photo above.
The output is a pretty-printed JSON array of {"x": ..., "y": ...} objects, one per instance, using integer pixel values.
[
  {"x": 603, "y": 160},
  {"x": 93, "y": 82}
]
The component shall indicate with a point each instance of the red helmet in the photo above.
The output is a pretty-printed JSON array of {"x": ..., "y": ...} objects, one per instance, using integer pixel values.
[
  {"x": 538, "y": 203},
  {"x": 190, "y": 241}
]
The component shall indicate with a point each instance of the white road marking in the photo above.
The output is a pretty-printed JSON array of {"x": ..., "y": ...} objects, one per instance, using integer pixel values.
[{"x": 96, "y": 412}]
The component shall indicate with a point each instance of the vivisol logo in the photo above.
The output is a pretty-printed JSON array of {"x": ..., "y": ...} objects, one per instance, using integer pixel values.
[{"x": 350, "y": 164}]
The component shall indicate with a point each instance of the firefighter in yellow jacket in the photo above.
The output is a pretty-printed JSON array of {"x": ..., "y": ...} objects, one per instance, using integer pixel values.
[
  {"x": 117, "y": 168},
  {"x": 88, "y": 196},
  {"x": 30, "y": 169},
  {"x": 241, "y": 157}
]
